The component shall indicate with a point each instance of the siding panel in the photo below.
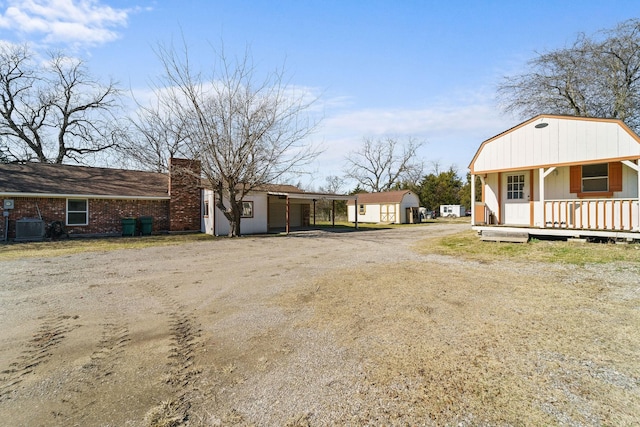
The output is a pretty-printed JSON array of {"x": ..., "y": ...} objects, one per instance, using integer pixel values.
[{"x": 564, "y": 140}]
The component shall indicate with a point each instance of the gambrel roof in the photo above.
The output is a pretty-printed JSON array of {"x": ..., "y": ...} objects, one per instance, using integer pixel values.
[
  {"x": 551, "y": 140},
  {"x": 381, "y": 197}
]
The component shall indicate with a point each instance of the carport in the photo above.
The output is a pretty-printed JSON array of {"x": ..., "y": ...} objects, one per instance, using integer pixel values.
[{"x": 290, "y": 210}]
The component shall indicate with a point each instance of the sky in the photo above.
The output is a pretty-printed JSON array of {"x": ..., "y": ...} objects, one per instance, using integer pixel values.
[{"x": 404, "y": 69}]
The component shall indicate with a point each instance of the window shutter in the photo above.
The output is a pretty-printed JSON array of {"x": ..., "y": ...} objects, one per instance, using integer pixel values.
[
  {"x": 615, "y": 176},
  {"x": 575, "y": 179}
]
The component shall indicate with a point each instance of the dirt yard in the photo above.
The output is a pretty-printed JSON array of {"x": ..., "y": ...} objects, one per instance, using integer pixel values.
[{"x": 316, "y": 329}]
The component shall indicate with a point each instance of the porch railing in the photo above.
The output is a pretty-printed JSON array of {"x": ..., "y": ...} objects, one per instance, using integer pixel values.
[{"x": 592, "y": 214}]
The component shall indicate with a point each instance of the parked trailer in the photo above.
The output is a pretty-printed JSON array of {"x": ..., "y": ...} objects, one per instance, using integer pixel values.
[{"x": 452, "y": 211}]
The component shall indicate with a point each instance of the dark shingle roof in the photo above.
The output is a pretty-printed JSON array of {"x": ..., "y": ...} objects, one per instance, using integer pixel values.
[{"x": 54, "y": 179}]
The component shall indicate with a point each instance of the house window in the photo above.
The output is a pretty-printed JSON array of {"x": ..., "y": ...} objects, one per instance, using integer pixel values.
[
  {"x": 595, "y": 177},
  {"x": 362, "y": 209},
  {"x": 205, "y": 209},
  {"x": 247, "y": 209},
  {"x": 77, "y": 212},
  {"x": 515, "y": 187}
]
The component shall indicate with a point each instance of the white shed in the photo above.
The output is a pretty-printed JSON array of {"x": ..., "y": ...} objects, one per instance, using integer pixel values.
[
  {"x": 390, "y": 207},
  {"x": 560, "y": 175}
]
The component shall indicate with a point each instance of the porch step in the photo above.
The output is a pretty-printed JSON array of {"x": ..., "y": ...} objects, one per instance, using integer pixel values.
[{"x": 504, "y": 236}]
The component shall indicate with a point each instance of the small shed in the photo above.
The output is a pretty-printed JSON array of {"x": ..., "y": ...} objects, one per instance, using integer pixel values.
[{"x": 389, "y": 207}]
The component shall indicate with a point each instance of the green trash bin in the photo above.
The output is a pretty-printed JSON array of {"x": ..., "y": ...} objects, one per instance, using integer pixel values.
[
  {"x": 146, "y": 225},
  {"x": 128, "y": 226}
]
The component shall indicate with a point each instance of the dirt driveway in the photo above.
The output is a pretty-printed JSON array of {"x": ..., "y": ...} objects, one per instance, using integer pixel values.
[{"x": 314, "y": 328}]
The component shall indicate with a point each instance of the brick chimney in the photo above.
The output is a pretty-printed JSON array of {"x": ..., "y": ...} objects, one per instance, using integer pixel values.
[{"x": 185, "y": 192}]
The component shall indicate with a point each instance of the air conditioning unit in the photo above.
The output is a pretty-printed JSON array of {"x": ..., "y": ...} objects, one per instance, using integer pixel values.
[{"x": 29, "y": 230}]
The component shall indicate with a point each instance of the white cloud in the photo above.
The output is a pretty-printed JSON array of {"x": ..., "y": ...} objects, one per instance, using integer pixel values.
[
  {"x": 453, "y": 131},
  {"x": 79, "y": 22}
]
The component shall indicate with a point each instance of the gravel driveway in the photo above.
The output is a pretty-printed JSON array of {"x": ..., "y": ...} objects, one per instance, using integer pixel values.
[{"x": 265, "y": 331}]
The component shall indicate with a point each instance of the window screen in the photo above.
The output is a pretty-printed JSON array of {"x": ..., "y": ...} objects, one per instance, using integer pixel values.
[
  {"x": 77, "y": 212},
  {"x": 595, "y": 177}
]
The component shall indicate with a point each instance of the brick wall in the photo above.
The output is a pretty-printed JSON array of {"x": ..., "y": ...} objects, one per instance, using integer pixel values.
[
  {"x": 185, "y": 191},
  {"x": 104, "y": 214}
]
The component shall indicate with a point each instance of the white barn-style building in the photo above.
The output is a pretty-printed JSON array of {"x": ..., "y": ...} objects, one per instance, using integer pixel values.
[
  {"x": 560, "y": 176},
  {"x": 388, "y": 207}
]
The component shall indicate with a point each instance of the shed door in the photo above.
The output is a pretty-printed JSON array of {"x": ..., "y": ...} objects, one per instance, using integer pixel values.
[
  {"x": 515, "y": 190},
  {"x": 388, "y": 213}
]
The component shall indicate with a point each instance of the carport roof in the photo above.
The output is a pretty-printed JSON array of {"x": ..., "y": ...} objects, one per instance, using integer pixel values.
[{"x": 299, "y": 194}]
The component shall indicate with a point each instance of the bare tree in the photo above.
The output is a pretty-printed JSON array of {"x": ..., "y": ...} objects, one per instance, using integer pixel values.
[
  {"x": 595, "y": 77},
  {"x": 246, "y": 131},
  {"x": 52, "y": 111},
  {"x": 326, "y": 208},
  {"x": 153, "y": 136},
  {"x": 333, "y": 184},
  {"x": 384, "y": 163}
]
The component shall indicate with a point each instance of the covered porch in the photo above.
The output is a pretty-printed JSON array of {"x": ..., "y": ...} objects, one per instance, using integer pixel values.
[{"x": 538, "y": 209}]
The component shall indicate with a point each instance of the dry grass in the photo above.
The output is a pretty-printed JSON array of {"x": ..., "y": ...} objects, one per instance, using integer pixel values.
[
  {"x": 467, "y": 245},
  {"x": 80, "y": 245},
  {"x": 471, "y": 346}
]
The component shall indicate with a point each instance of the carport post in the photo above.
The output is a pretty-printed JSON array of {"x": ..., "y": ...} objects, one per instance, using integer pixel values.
[
  {"x": 333, "y": 213},
  {"x": 287, "y": 215},
  {"x": 314, "y": 212},
  {"x": 355, "y": 211}
]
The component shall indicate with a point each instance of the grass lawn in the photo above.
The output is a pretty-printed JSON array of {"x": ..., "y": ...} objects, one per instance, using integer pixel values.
[
  {"x": 467, "y": 245},
  {"x": 73, "y": 246}
]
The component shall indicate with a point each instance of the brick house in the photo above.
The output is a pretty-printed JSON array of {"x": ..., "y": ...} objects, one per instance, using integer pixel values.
[{"x": 92, "y": 201}]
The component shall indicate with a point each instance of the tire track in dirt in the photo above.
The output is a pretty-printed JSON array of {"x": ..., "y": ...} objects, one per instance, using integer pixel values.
[
  {"x": 39, "y": 350},
  {"x": 115, "y": 337},
  {"x": 183, "y": 372},
  {"x": 94, "y": 375}
]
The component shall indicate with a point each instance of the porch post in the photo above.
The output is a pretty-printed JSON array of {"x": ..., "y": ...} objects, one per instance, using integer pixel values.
[
  {"x": 473, "y": 199},
  {"x": 638, "y": 172},
  {"x": 635, "y": 167},
  {"x": 499, "y": 209},
  {"x": 541, "y": 197}
]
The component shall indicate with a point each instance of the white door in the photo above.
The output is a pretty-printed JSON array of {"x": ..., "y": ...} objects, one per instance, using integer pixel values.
[{"x": 516, "y": 199}]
